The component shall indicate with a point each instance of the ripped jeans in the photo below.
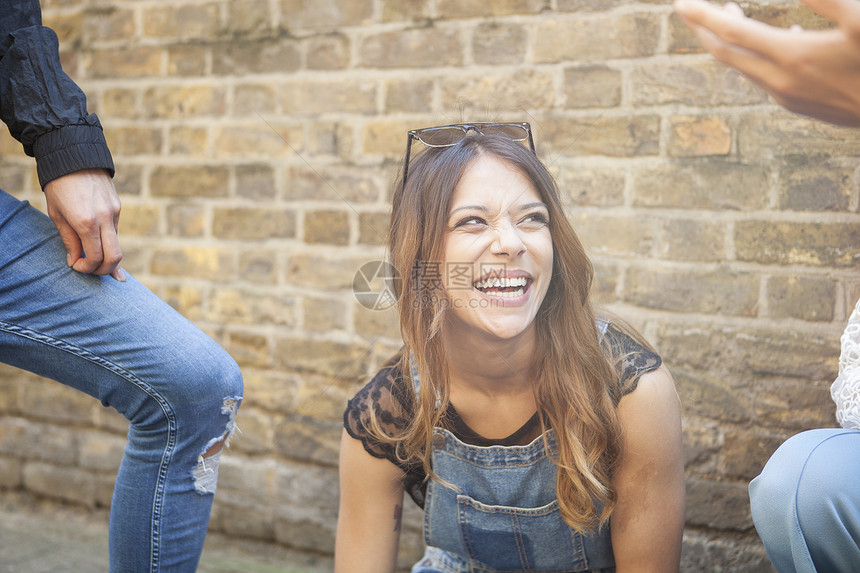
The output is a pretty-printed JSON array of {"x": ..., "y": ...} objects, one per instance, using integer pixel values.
[{"x": 121, "y": 344}]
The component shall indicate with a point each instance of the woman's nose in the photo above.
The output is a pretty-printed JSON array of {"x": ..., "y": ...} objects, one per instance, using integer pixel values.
[{"x": 507, "y": 240}]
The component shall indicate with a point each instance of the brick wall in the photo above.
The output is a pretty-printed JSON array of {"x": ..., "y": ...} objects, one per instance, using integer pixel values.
[{"x": 256, "y": 141}]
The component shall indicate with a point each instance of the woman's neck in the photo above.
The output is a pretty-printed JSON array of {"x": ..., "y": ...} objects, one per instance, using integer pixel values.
[{"x": 488, "y": 365}]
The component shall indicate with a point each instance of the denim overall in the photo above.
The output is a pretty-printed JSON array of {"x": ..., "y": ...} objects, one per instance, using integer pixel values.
[{"x": 502, "y": 514}]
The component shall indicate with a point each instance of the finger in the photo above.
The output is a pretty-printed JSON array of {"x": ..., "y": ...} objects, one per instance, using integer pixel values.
[
  {"x": 71, "y": 241},
  {"x": 111, "y": 252},
  {"x": 733, "y": 29},
  {"x": 93, "y": 254},
  {"x": 118, "y": 274}
]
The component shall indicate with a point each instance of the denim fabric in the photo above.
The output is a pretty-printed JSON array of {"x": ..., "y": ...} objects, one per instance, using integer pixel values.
[
  {"x": 122, "y": 345},
  {"x": 806, "y": 502},
  {"x": 501, "y": 513}
]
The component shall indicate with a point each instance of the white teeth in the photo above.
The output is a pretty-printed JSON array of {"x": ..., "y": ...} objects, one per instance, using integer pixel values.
[{"x": 503, "y": 282}]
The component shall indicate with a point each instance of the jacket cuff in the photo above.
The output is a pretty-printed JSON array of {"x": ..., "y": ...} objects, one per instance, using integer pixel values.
[{"x": 71, "y": 148}]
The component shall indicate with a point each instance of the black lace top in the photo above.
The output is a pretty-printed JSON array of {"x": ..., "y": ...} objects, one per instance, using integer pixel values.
[{"x": 391, "y": 396}]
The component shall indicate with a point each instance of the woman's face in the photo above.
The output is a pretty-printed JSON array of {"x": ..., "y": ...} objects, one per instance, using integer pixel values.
[{"x": 498, "y": 251}]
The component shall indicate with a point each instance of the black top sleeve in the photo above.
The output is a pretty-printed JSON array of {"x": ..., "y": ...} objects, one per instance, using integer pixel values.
[
  {"x": 390, "y": 395},
  {"x": 44, "y": 109}
]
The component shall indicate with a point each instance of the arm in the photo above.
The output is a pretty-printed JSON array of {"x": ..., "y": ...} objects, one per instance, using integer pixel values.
[
  {"x": 371, "y": 500},
  {"x": 46, "y": 111},
  {"x": 648, "y": 521},
  {"x": 814, "y": 73}
]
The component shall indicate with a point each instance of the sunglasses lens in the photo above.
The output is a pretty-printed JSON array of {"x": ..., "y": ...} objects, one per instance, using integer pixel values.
[
  {"x": 515, "y": 132},
  {"x": 441, "y": 136}
]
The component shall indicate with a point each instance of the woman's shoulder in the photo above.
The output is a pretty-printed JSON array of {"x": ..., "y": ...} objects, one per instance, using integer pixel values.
[
  {"x": 631, "y": 357},
  {"x": 386, "y": 400}
]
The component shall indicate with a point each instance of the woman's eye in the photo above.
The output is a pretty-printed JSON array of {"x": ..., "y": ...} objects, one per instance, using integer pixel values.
[
  {"x": 539, "y": 218},
  {"x": 469, "y": 221}
]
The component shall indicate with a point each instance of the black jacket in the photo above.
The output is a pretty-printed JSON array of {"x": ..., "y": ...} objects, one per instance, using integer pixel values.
[{"x": 44, "y": 109}]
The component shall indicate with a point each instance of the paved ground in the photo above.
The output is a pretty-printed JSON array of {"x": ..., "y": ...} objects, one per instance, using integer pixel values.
[{"x": 56, "y": 539}]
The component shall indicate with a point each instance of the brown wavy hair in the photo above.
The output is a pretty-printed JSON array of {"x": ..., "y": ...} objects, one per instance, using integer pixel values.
[{"x": 575, "y": 377}]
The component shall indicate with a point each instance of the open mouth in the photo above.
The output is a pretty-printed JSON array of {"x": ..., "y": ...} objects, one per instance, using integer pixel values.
[{"x": 508, "y": 287}]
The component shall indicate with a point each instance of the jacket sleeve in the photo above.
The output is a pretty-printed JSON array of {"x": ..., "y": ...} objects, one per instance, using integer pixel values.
[{"x": 44, "y": 109}]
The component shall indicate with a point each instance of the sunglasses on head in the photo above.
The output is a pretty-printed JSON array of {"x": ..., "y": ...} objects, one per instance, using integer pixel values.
[{"x": 448, "y": 135}]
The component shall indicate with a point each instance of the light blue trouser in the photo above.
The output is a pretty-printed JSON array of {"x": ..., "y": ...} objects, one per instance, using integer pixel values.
[
  {"x": 122, "y": 345},
  {"x": 806, "y": 503}
]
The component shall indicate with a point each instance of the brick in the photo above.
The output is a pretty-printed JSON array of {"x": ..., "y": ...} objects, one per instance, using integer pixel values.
[
  {"x": 187, "y": 300},
  {"x": 373, "y": 228},
  {"x": 814, "y": 244},
  {"x": 330, "y": 138},
  {"x": 722, "y": 553},
  {"x": 328, "y": 227},
  {"x": 386, "y": 137},
  {"x": 713, "y": 397},
  {"x": 787, "y": 15},
  {"x": 255, "y": 181},
  {"x": 794, "y": 404},
  {"x": 313, "y": 97},
  {"x": 582, "y": 185},
  {"x": 781, "y": 134},
  {"x": 324, "y": 314},
  {"x": 249, "y": 16},
  {"x": 185, "y": 21},
  {"x": 718, "y": 505},
  {"x": 682, "y": 40},
  {"x": 187, "y": 60},
  {"x": 25, "y": 439},
  {"x": 198, "y": 262},
  {"x": 412, "y": 95},
  {"x": 371, "y": 323},
  {"x": 61, "y": 482},
  {"x": 413, "y": 48},
  {"x": 69, "y": 26},
  {"x": 134, "y": 140},
  {"x": 327, "y": 357},
  {"x": 10, "y": 473},
  {"x": 807, "y": 185},
  {"x": 460, "y": 9},
  {"x": 708, "y": 184},
  {"x": 189, "y": 141},
  {"x": 697, "y": 136},
  {"x": 128, "y": 179},
  {"x": 250, "y": 224},
  {"x": 309, "y": 440},
  {"x": 267, "y": 55},
  {"x": 635, "y": 135},
  {"x": 502, "y": 92},
  {"x": 105, "y": 25},
  {"x": 189, "y": 181},
  {"x": 328, "y": 52},
  {"x": 806, "y": 298},
  {"x": 494, "y": 43},
  {"x": 713, "y": 292},
  {"x": 175, "y": 102},
  {"x": 303, "y": 490},
  {"x": 705, "y": 83},
  {"x": 251, "y": 99},
  {"x": 100, "y": 451},
  {"x": 592, "y": 86},
  {"x": 614, "y": 236},
  {"x": 746, "y": 451},
  {"x": 271, "y": 391},
  {"x": 52, "y": 401},
  {"x": 783, "y": 351},
  {"x": 592, "y": 5},
  {"x": 258, "y": 267},
  {"x": 258, "y": 432},
  {"x": 248, "y": 350},
  {"x": 692, "y": 240},
  {"x": 120, "y": 103},
  {"x": 701, "y": 444},
  {"x": 605, "y": 285},
  {"x": 140, "y": 220},
  {"x": 587, "y": 39},
  {"x": 186, "y": 220},
  {"x": 397, "y": 11},
  {"x": 324, "y": 272},
  {"x": 299, "y": 14},
  {"x": 132, "y": 62},
  {"x": 245, "y": 306}
]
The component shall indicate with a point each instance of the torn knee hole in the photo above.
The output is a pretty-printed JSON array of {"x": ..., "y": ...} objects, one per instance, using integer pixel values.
[{"x": 205, "y": 473}]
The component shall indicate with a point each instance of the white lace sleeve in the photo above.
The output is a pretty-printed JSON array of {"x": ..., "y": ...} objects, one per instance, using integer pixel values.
[{"x": 846, "y": 389}]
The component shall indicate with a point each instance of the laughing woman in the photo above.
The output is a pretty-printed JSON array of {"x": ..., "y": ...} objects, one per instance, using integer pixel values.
[{"x": 535, "y": 435}]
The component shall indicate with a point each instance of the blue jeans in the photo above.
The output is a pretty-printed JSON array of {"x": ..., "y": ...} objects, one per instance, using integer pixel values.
[
  {"x": 806, "y": 502},
  {"x": 122, "y": 345}
]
